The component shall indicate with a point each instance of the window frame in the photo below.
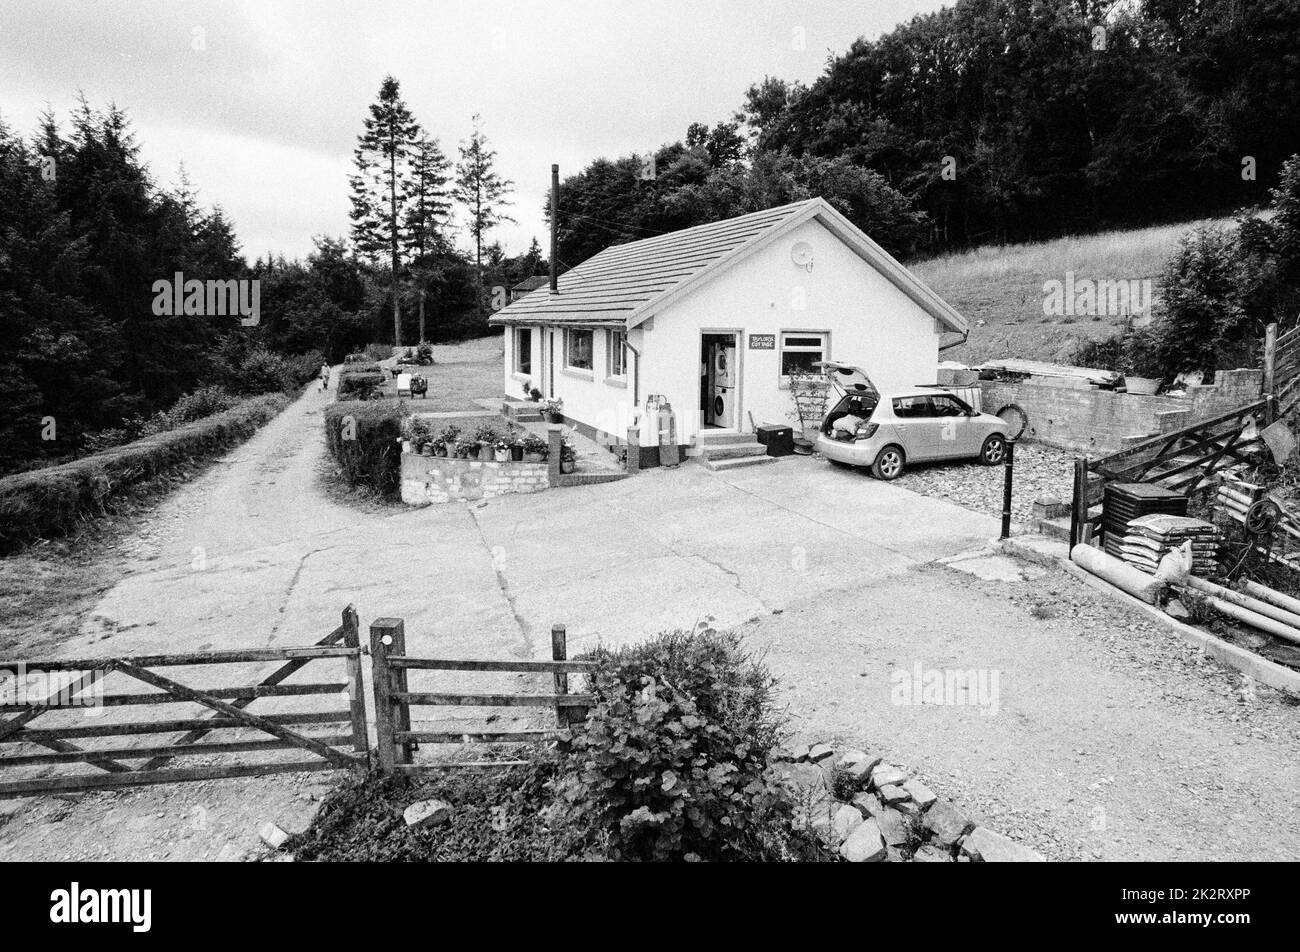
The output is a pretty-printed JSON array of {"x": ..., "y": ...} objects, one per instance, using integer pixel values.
[
  {"x": 568, "y": 350},
  {"x": 823, "y": 350},
  {"x": 522, "y": 350},
  {"x": 615, "y": 352}
]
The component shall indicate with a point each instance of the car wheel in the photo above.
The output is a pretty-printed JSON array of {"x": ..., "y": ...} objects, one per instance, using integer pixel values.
[
  {"x": 994, "y": 450},
  {"x": 888, "y": 464}
]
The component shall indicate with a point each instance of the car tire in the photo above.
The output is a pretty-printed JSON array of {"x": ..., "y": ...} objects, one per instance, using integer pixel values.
[
  {"x": 889, "y": 463},
  {"x": 994, "y": 450}
]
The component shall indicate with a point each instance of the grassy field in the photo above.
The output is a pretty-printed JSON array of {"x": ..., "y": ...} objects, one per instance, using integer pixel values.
[{"x": 999, "y": 289}]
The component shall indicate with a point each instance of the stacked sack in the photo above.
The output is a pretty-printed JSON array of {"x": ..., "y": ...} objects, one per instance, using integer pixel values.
[{"x": 1149, "y": 538}]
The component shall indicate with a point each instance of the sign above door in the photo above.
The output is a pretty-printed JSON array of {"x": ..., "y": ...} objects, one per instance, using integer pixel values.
[{"x": 762, "y": 342}]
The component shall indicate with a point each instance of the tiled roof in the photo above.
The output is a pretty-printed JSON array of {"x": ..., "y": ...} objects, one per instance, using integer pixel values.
[{"x": 623, "y": 284}]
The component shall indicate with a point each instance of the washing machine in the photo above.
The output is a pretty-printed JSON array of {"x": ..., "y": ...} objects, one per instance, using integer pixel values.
[{"x": 724, "y": 406}]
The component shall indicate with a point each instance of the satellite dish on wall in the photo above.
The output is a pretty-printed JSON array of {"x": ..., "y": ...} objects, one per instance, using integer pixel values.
[{"x": 802, "y": 254}]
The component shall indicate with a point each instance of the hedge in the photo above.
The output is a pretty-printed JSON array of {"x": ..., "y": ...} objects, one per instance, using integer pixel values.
[
  {"x": 44, "y": 503},
  {"x": 362, "y": 436},
  {"x": 358, "y": 385}
]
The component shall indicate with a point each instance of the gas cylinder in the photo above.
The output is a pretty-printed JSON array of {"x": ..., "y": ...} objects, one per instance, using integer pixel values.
[{"x": 668, "y": 449}]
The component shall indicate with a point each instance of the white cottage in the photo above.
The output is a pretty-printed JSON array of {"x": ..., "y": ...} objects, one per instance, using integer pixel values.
[{"x": 714, "y": 318}]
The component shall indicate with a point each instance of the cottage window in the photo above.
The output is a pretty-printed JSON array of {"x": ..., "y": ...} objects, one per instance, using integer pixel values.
[
  {"x": 577, "y": 349},
  {"x": 615, "y": 358},
  {"x": 800, "y": 351},
  {"x": 523, "y": 350}
]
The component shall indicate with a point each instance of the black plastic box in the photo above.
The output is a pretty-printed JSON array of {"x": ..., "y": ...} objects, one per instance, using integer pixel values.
[{"x": 778, "y": 439}]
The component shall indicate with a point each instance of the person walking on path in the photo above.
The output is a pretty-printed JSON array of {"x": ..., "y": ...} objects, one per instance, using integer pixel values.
[{"x": 324, "y": 376}]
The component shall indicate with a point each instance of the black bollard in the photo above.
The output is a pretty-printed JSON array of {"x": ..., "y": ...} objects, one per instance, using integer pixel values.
[{"x": 1008, "y": 464}]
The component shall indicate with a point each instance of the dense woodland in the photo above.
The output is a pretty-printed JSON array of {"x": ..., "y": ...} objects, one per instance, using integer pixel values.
[
  {"x": 1048, "y": 116},
  {"x": 989, "y": 121}
]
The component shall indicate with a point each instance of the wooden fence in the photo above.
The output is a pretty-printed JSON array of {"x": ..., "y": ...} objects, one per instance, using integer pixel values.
[
  {"x": 227, "y": 706},
  {"x": 396, "y": 742},
  {"x": 1184, "y": 460}
]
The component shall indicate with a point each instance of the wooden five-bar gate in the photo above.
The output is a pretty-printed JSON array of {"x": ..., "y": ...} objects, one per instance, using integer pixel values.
[{"x": 64, "y": 683}]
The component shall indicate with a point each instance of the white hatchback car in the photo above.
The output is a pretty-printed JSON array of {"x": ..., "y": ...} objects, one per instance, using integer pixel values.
[{"x": 888, "y": 431}]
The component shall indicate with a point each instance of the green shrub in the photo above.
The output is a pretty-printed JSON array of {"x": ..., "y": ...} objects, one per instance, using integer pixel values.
[
  {"x": 673, "y": 761},
  {"x": 362, "y": 436},
  {"x": 377, "y": 352},
  {"x": 45, "y": 503},
  {"x": 358, "y": 386}
]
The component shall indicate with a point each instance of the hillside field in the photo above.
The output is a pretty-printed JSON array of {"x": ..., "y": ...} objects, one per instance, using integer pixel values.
[{"x": 1000, "y": 289}]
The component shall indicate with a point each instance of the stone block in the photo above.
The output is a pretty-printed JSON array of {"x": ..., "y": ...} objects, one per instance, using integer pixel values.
[
  {"x": 865, "y": 844},
  {"x": 982, "y": 845}
]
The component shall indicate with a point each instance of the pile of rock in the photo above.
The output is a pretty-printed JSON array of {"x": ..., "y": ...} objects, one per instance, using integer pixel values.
[{"x": 887, "y": 816}]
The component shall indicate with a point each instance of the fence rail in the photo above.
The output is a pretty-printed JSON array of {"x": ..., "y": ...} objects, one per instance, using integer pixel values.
[
  {"x": 227, "y": 710},
  {"x": 396, "y": 742}
]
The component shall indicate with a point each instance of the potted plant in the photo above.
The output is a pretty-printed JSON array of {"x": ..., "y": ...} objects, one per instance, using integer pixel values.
[
  {"x": 517, "y": 449},
  {"x": 553, "y": 410},
  {"x": 568, "y": 455},
  {"x": 1141, "y": 363},
  {"x": 466, "y": 448},
  {"x": 535, "y": 449},
  {"x": 534, "y": 394},
  {"x": 445, "y": 443},
  {"x": 486, "y": 434}
]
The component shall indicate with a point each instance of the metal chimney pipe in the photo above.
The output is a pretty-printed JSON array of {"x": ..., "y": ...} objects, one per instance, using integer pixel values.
[{"x": 555, "y": 214}]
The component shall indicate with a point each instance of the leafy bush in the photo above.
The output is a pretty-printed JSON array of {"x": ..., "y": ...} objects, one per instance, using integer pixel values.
[
  {"x": 673, "y": 761},
  {"x": 44, "y": 503},
  {"x": 362, "y": 436},
  {"x": 377, "y": 352},
  {"x": 358, "y": 386}
]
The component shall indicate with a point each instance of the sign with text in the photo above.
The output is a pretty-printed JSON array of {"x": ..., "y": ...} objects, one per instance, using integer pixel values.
[{"x": 762, "y": 342}]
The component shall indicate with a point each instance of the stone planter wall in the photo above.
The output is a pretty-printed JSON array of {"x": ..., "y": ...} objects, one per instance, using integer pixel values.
[{"x": 431, "y": 479}]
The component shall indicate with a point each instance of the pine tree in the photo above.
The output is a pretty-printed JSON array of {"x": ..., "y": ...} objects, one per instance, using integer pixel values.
[
  {"x": 383, "y": 159},
  {"x": 483, "y": 193},
  {"x": 428, "y": 208}
]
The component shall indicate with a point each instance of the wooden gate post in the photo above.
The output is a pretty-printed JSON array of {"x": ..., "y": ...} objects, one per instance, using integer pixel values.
[
  {"x": 388, "y": 636},
  {"x": 1079, "y": 504},
  {"x": 1270, "y": 372},
  {"x": 560, "y": 652},
  {"x": 356, "y": 686}
]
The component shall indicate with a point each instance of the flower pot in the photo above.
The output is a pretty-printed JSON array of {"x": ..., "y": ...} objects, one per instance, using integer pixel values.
[
  {"x": 534, "y": 458},
  {"x": 440, "y": 451},
  {"x": 1146, "y": 386},
  {"x": 406, "y": 446},
  {"x": 501, "y": 455},
  {"x": 555, "y": 416},
  {"x": 516, "y": 453},
  {"x": 484, "y": 451},
  {"x": 566, "y": 465}
]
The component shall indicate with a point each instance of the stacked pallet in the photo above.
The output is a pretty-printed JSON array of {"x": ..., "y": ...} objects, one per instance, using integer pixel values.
[{"x": 1148, "y": 539}]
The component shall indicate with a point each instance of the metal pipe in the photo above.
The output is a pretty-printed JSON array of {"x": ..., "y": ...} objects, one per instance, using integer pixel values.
[
  {"x": 1008, "y": 467},
  {"x": 1264, "y": 593},
  {"x": 555, "y": 227},
  {"x": 1255, "y": 620},
  {"x": 1290, "y": 619},
  {"x": 636, "y": 371}
]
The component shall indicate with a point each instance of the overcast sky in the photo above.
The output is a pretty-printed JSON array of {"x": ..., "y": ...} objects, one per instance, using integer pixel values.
[{"x": 264, "y": 114}]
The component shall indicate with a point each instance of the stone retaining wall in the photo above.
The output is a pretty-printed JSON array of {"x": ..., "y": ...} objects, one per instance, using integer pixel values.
[
  {"x": 1072, "y": 415},
  {"x": 430, "y": 479}
]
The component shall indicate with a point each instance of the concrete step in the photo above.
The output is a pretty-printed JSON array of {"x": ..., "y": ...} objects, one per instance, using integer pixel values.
[
  {"x": 1058, "y": 529},
  {"x": 734, "y": 450},
  {"x": 708, "y": 438},
  {"x": 738, "y": 461}
]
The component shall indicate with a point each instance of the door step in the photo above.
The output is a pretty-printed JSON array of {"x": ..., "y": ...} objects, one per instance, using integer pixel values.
[{"x": 736, "y": 462}]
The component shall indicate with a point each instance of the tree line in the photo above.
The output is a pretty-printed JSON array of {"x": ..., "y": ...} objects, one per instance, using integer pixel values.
[
  {"x": 988, "y": 121},
  {"x": 87, "y": 358}
]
